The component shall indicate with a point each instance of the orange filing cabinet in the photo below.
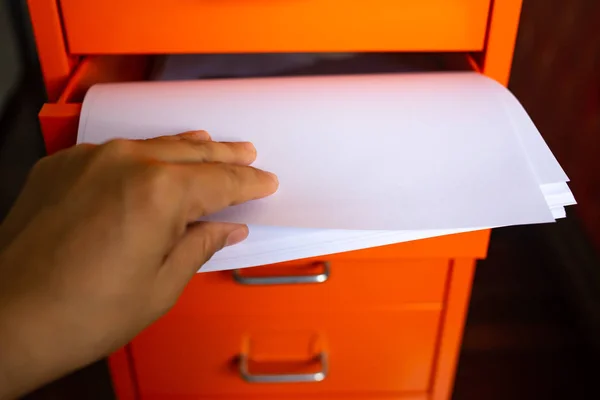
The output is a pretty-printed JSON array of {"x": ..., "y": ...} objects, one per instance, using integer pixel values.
[{"x": 381, "y": 323}]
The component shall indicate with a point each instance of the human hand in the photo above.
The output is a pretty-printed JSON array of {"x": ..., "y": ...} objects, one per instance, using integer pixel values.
[{"x": 102, "y": 241}]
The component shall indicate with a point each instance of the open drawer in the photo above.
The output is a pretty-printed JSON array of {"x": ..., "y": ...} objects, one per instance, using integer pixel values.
[
  {"x": 59, "y": 123},
  {"x": 226, "y": 26}
]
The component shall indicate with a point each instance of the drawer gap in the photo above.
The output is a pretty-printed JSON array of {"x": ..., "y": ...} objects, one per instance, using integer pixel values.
[{"x": 127, "y": 68}]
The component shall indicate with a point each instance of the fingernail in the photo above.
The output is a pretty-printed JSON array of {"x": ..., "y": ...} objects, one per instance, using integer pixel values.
[
  {"x": 236, "y": 236},
  {"x": 196, "y": 135}
]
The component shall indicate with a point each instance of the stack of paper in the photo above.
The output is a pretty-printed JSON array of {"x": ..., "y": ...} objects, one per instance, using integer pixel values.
[{"x": 362, "y": 161}]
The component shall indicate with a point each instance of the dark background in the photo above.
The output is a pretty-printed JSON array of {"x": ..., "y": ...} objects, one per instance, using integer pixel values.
[{"x": 533, "y": 329}]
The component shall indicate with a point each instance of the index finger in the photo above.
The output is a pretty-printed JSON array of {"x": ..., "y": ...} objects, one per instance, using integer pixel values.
[{"x": 215, "y": 186}]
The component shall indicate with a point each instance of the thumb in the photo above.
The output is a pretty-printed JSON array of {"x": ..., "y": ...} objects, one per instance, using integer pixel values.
[{"x": 200, "y": 242}]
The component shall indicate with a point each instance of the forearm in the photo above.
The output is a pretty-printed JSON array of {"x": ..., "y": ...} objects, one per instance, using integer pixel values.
[
  {"x": 22, "y": 367},
  {"x": 30, "y": 354}
]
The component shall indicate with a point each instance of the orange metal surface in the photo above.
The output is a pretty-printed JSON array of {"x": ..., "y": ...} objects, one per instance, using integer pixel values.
[
  {"x": 292, "y": 396},
  {"x": 502, "y": 34},
  {"x": 453, "y": 321},
  {"x": 352, "y": 285},
  {"x": 59, "y": 125},
  {"x": 367, "y": 352},
  {"x": 59, "y": 120},
  {"x": 103, "y": 69},
  {"x": 123, "y": 375},
  {"x": 55, "y": 61},
  {"x": 190, "y": 26}
]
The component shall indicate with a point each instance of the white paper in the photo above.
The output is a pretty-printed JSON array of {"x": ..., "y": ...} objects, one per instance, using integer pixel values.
[
  {"x": 269, "y": 245},
  {"x": 384, "y": 152},
  {"x": 362, "y": 161},
  {"x": 544, "y": 164}
]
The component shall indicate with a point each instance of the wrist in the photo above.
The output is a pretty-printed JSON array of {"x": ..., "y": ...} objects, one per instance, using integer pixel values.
[{"x": 28, "y": 357}]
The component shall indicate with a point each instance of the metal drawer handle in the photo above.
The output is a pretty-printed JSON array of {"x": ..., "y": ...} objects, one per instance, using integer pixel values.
[
  {"x": 282, "y": 280},
  {"x": 283, "y": 378}
]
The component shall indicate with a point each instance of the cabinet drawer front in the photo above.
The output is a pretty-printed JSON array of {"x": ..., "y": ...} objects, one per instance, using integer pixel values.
[
  {"x": 365, "y": 353},
  {"x": 187, "y": 26},
  {"x": 345, "y": 285}
]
